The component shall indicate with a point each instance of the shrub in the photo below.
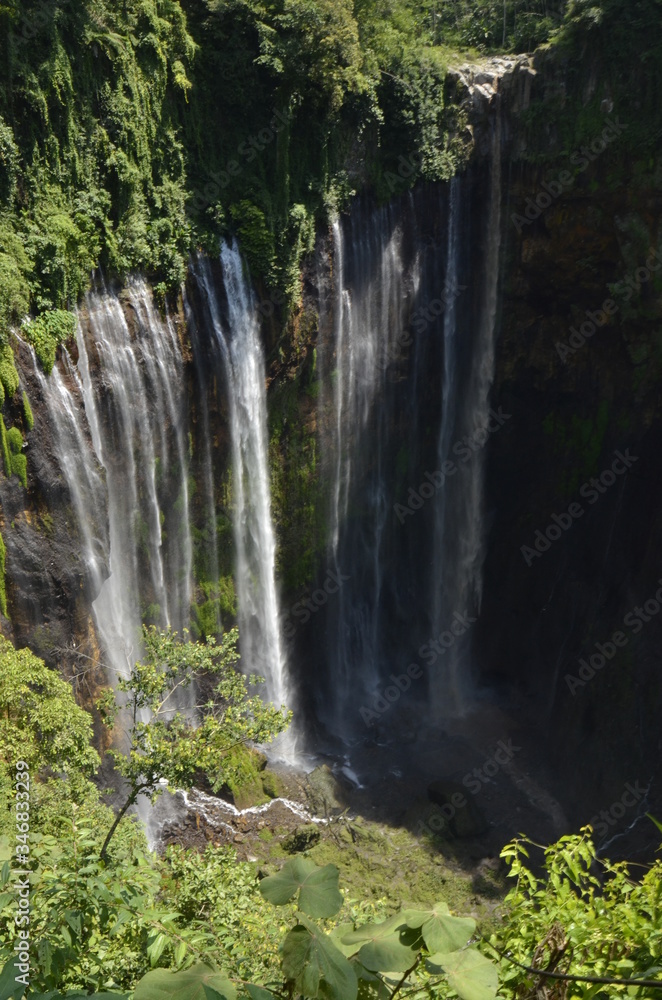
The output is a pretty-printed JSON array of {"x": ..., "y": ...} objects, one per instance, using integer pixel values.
[
  {"x": 46, "y": 332},
  {"x": 8, "y": 372}
]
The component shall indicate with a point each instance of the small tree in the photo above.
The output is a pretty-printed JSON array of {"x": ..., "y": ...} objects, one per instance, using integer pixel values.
[{"x": 168, "y": 744}]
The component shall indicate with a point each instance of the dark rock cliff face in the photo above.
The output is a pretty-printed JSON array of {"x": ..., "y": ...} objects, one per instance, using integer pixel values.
[{"x": 578, "y": 367}]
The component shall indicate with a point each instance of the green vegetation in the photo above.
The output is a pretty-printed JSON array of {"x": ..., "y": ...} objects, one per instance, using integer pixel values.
[
  {"x": 39, "y": 717},
  {"x": 111, "y": 154},
  {"x": 185, "y": 922},
  {"x": 110, "y": 150},
  {"x": 14, "y": 440},
  {"x": 580, "y": 914},
  {"x": 169, "y": 746},
  {"x": 46, "y": 332},
  {"x": 8, "y": 373},
  {"x": 27, "y": 413},
  {"x": 6, "y": 453},
  {"x": 13, "y": 458},
  {"x": 19, "y": 466}
]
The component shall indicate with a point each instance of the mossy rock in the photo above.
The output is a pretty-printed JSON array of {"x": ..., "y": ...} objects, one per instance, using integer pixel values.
[
  {"x": 301, "y": 839},
  {"x": 324, "y": 792},
  {"x": 271, "y": 784},
  {"x": 243, "y": 784},
  {"x": 490, "y": 879},
  {"x": 15, "y": 440},
  {"x": 19, "y": 466}
]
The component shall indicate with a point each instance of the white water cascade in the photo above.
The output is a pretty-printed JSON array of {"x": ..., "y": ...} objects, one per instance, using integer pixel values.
[
  {"x": 368, "y": 315},
  {"x": 124, "y": 450},
  {"x": 459, "y": 521},
  {"x": 237, "y": 332},
  {"x": 413, "y": 293}
]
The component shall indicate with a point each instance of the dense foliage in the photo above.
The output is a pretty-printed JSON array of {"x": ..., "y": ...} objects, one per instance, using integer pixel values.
[
  {"x": 579, "y": 915},
  {"x": 203, "y": 925},
  {"x": 131, "y": 133},
  {"x": 171, "y": 737}
]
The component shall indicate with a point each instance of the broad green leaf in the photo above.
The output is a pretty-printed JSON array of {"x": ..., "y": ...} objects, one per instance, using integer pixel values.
[
  {"x": 189, "y": 985},
  {"x": 470, "y": 974},
  {"x": 314, "y": 964},
  {"x": 441, "y": 931},
  {"x": 258, "y": 993},
  {"x": 9, "y": 988},
  {"x": 371, "y": 987},
  {"x": 389, "y": 946},
  {"x": 319, "y": 895},
  {"x": 5, "y": 898},
  {"x": 337, "y": 935}
]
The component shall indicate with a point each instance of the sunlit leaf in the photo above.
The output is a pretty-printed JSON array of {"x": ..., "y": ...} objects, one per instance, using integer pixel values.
[
  {"x": 471, "y": 975},
  {"x": 319, "y": 895},
  {"x": 387, "y": 946},
  {"x": 162, "y": 984},
  {"x": 441, "y": 931}
]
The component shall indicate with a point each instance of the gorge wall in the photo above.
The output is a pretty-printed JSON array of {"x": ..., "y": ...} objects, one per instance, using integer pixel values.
[{"x": 418, "y": 317}]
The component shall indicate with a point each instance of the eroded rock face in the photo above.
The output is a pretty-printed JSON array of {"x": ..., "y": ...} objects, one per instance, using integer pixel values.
[
  {"x": 49, "y": 590},
  {"x": 578, "y": 368}
]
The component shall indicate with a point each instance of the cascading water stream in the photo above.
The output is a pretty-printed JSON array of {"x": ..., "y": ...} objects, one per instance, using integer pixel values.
[
  {"x": 237, "y": 333},
  {"x": 459, "y": 522},
  {"x": 397, "y": 444},
  {"x": 131, "y": 427},
  {"x": 366, "y": 321}
]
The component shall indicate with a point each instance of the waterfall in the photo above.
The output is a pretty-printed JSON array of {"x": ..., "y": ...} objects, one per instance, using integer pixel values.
[
  {"x": 367, "y": 309},
  {"x": 119, "y": 421},
  {"x": 459, "y": 521},
  {"x": 412, "y": 293},
  {"x": 236, "y": 328}
]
